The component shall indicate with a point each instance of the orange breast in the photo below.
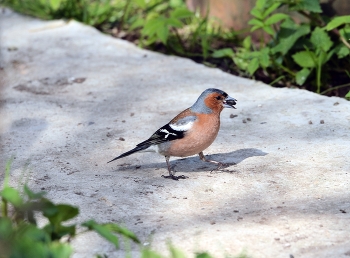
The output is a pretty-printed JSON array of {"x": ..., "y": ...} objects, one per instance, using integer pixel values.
[{"x": 198, "y": 138}]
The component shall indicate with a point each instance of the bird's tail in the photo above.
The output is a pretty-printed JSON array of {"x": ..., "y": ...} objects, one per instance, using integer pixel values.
[{"x": 136, "y": 149}]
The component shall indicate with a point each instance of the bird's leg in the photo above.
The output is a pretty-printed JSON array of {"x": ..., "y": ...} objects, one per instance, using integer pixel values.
[
  {"x": 171, "y": 175},
  {"x": 220, "y": 165}
]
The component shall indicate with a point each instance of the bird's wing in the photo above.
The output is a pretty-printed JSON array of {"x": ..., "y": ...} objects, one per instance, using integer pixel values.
[{"x": 170, "y": 132}]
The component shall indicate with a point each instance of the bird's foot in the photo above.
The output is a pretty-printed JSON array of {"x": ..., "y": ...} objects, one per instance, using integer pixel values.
[{"x": 173, "y": 177}]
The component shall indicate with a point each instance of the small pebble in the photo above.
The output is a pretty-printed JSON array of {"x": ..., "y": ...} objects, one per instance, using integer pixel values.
[
  {"x": 121, "y": 139},
  {"x": 248, "y": 119},
  {"x": 322, "y": 122},
  {"x": 310, "y": 122},
  {"x": 336, "y": 104},
  {"x": 244, "y": 121},
  {"x": 233, "y": 116},
  {"x": 132, "y": 114}
]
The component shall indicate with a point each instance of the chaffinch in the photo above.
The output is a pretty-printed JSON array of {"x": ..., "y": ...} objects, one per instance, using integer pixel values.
[{"x": 190, "y": 132}]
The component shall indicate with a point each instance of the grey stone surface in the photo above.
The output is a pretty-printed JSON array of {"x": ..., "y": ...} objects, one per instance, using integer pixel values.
[{"x": 70, "y": 94}]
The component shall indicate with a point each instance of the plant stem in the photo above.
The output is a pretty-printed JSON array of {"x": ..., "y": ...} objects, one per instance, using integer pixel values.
[
  {"x": 287, "y": 70},
  {"x": 123, "y": 18},
  {"x": 276, "y": 80},
  {"x": 345, "y": 42},
  {"x": 334, "y": 88},
  {"x": 4, "y": 208},
  {"x": 182, "y": 44},
  {"x": 318, "y": 21},
  {"x": 319, "y": 69}
]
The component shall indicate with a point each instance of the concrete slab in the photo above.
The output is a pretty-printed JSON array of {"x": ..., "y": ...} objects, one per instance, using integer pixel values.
[{"x": 71, "y": 94}]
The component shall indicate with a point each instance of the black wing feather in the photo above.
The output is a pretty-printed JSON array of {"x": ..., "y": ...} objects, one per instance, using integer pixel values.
[{"x": 163, "y": 134}]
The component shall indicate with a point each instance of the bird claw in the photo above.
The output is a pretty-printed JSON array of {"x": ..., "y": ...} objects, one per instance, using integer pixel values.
[{"x": 175, "y": 177}]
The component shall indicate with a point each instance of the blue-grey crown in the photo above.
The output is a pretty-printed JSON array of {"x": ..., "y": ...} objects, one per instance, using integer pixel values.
[{"x": 199, "y": 106}]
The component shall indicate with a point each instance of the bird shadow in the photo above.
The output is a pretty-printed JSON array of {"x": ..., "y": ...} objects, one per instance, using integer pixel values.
[{"x": 194, "y": 164}]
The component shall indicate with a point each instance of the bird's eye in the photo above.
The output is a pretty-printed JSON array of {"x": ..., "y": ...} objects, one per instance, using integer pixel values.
[{"x": 218, "y": 98}]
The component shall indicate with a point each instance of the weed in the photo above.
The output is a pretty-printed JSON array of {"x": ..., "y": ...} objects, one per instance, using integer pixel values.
[
  {"x": 314, "y": 54},
  {"x": 21, "y": 237}
]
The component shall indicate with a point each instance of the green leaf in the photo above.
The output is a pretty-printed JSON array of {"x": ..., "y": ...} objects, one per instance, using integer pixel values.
[
  {"x": 176, "y": 253},
  {"x": 225, "y": 52},
  {"x": 103, "y": 231},
  {"x": 152, "y": 25},
  {"x": 247, "y": 43},
  {"x": 342, "y": 51},
  {"x": 277, "y": 17},
  {"x": 60, "y": 213},
  {"x": 5, "y": 228},
  {"x": 241, "y": 58},
  {"x": 55, "y": 4},
  {"x": 175, "y": 3},
  {"x": 253, "y": 66},
  {"x": 174, "y": 22},
  {"x": 320, "y": 39},
  {"x": 305, "y": 59},
  {"x": 147, "y": 253},
  {"x": 288, "y": 35},
  {"x": 60, "y": 250},
  {"x": 347, "y": 96},
  {"x": 302, "y": 75},
  {"x": 306, "y": 5},
  {"x": 256, "y": 22},
  {"x": 203, "y": 255},
  {"x": 123, "y": 231},
  {"x": 163, "y": 33},
  {"x": 264, "y": 58},
  {"x": 345, "y": 33},
  {"x": 141, "y": 3},
  {"x": 12, "y": 196},
  {"x": 338, "y": 21},
  {"x": 181, "y": 13},
  {"x": 260, "y": 4},
  {"x": 31, "y": 195},
  {"x": 137, "y": 24},
  {"x": 33, "y": 233},
  {"x": 26, "y": 248},
  {"x": 257, "y": 13},
  {"x": 268, "y": 29},
  {"x": 58, "y": 231},
  {"x": 205, "y": 47},
  {"x": 328, "y": 56},
  {"x": 254, "y": 28},
  {"x": 269, "y": 10}
]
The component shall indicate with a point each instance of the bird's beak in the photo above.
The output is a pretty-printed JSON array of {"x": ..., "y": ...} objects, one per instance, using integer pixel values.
[{"x": 229, "y": 102}]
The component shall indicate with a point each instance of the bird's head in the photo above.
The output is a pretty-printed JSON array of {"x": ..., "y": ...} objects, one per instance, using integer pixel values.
[{"x": 213, "y": 100}]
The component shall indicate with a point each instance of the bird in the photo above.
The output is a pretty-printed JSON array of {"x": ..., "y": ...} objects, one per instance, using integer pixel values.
[{"x": 190, "y": 132}]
